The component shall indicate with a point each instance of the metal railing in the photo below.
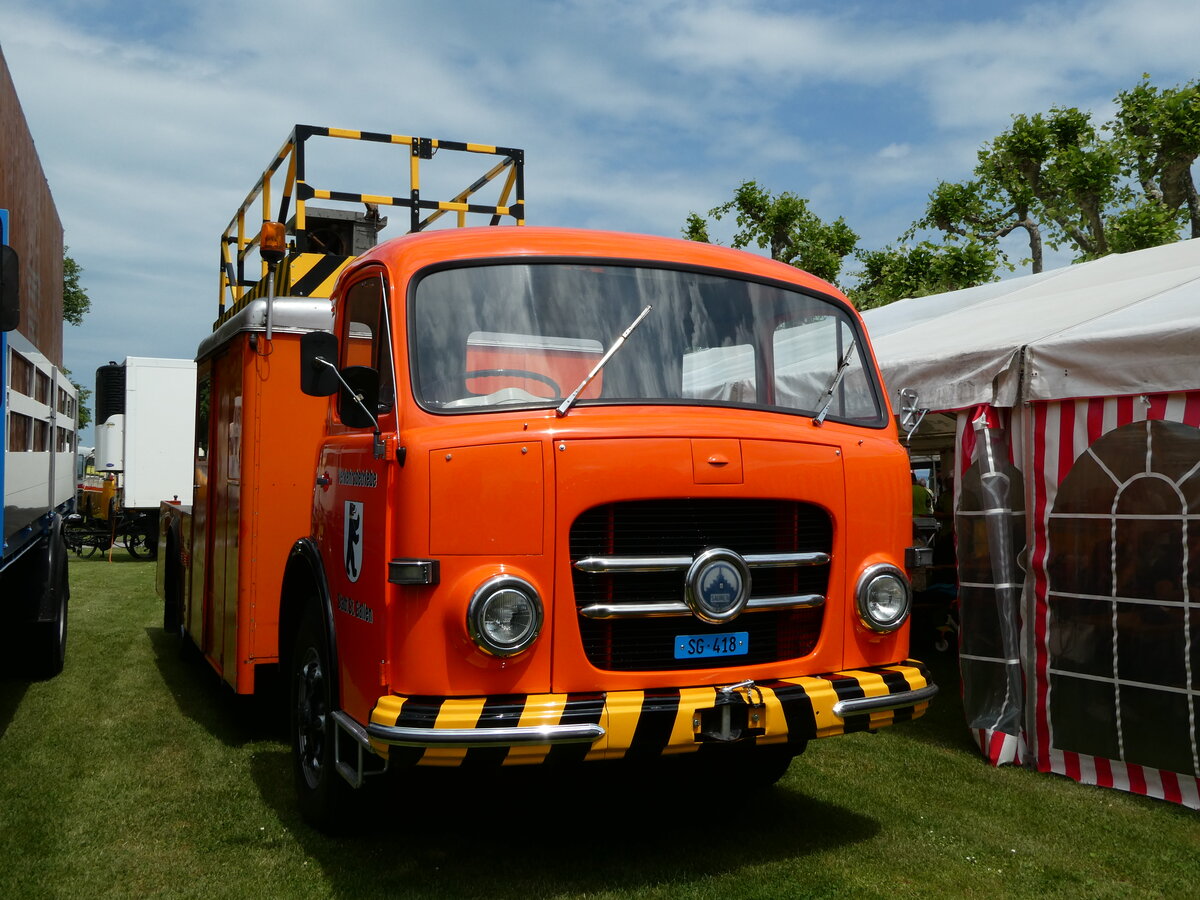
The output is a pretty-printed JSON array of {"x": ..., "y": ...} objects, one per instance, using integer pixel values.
[{"x": 311, "y": 269}]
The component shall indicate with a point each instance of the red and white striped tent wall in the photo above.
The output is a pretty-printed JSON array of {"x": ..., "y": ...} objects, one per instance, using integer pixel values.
[{"x": 1077, "y": 509}]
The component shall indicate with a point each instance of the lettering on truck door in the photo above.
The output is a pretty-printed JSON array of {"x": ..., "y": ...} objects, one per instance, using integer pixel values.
[{"x": 353, "y": 509}]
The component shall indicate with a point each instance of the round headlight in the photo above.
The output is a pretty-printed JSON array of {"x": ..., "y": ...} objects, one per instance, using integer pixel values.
[
  {"x": 884, "y": 598},
  {"x": 505, "y": 615}
]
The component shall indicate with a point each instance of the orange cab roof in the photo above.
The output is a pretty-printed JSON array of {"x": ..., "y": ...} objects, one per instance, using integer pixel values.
[{"x": 415, "y": 251}]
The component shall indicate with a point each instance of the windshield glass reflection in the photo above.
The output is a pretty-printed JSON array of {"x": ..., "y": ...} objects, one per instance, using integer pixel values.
[{"x": 525, "y": 335}]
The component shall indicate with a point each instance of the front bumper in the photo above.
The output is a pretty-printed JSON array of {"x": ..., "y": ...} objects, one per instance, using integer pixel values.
[{"x": 539, "y": 728}]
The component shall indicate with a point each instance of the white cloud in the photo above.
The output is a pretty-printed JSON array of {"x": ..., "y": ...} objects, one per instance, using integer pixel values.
[
  {"x": 153, "y": 120},
  {"x": 1007, "y": 59}
]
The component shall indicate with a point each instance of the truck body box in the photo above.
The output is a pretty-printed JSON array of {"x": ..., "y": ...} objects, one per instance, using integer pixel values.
[{"x": 150, "y": 439}]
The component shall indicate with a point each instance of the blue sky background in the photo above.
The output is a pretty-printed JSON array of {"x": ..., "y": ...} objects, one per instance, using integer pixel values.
[{"x": 153, "y": 119}]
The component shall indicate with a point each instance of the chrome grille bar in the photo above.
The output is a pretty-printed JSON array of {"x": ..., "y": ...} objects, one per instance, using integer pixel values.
[
  {"x": 672, "y": 608},
  {"x": 785, "y": 560},
  {"x": 601, "y": 565}
]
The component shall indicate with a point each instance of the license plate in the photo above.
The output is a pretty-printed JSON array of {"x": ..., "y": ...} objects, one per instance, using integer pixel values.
[{"x": 697, "y": 646}]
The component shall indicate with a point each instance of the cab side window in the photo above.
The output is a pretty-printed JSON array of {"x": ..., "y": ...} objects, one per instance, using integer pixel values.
[{"x": 365, "y": 338}]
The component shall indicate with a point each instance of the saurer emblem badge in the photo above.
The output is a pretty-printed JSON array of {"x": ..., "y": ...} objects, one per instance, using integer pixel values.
[{"x": 717, "y": 585}]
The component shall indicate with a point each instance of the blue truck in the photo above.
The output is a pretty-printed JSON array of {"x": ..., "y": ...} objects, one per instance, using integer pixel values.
[{"x": 37, "y": 471}]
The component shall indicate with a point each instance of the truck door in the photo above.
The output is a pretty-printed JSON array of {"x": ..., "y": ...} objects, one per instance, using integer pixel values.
[{"x": 352, "y": 509}]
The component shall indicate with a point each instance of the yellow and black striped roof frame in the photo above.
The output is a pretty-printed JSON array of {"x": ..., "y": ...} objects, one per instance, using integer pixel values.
[{"x": 313, "y": 274}]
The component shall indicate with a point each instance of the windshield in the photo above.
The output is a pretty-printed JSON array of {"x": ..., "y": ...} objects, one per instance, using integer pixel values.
[{"x": 525, "y": 334}]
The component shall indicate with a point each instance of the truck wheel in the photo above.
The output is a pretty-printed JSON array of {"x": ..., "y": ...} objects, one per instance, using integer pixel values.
[
  {"x": 321, "y": 792},
  {"x": 139, "y": 542},
  {"x": 76, "y": 534},
  {"x": 46, "y": 648},
  {"x": 752, "y": 768},
  {"x": 770, "y": 764}
]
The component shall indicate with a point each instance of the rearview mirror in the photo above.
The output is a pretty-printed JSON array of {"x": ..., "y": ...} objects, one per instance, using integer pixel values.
[
  {"x": 360, "y": 394},
  {"x": 10, "y": 289},
  {"x": 318, "y": 364}
]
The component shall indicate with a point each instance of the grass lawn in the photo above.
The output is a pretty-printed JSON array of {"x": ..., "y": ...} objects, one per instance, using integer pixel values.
[{"x": 136, "y": 773}]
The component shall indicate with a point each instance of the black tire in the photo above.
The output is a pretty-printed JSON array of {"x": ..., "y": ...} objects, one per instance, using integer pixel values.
[
  {"x": 770, "y": 764},
  {"x": 140, "y": 544},
  {"x": 751, "y": 768},
  {"x": 73, "y": 535},
  {"x": 322, "y": 794},
  {"x": 79, "y": 537},
  {"x": 45, "y": 647}
]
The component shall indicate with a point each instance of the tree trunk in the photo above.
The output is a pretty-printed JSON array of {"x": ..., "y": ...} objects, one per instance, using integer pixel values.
[
  {"x": 1036, "y": 253},
  {"x": 1035, "y": 244},
  {"x": 1193, "y": 202}
]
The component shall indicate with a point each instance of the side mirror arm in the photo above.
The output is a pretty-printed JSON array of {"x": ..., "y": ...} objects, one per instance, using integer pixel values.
[
  {"x": 358, "y": 398},
  {"x": 911, "y": 415}
]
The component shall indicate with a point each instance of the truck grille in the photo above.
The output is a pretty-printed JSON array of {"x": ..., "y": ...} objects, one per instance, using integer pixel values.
[{"x": 629, "y": 619}]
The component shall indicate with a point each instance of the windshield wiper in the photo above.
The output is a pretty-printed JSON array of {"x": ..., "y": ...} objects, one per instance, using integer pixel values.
[
  {"x": 823, "y": 411},
  {"x": 563, "y": 408}
]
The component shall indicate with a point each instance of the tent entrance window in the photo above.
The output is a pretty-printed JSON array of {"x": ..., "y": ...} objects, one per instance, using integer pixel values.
[{"x": 1124, "y": 599}]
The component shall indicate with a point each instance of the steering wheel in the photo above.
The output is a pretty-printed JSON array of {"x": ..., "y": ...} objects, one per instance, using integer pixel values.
[{"x": 516, "y": 373}]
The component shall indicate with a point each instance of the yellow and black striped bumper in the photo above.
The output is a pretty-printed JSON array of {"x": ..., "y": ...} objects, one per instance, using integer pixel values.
[{"x": 538, "y": 728}]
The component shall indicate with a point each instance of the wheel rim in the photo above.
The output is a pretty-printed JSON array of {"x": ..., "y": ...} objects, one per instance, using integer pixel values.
[
  {"x": 311, "y": 710},
  {"x": 136, "y": 544}
]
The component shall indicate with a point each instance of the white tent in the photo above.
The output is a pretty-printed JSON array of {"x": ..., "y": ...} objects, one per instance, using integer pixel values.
[
  {"x": 1077, "y": 509},
  {"x": 1124, "y": 324}
]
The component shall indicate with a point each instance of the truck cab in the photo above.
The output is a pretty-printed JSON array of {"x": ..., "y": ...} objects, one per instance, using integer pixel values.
[
  {"x": 520, "y": 496},
  {"x": 525, "y": 547}
]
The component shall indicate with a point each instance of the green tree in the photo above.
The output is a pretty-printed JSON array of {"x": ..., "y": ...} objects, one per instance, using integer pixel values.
[
  {"x": 783, "y": 225},
  {"x": 1159, "y": 136},
  {"x": 82, "y": 410},
  {"x": 1062, "y": 169},
  {"x": 76, "y": 303},
  {"x": 982, "y": 211},
  {"x": 1064, "y": 181},
  {"x": 895, "y": 273},
  {"x": 1055, "y": 176},
  {"x": 696, "y": 228}
]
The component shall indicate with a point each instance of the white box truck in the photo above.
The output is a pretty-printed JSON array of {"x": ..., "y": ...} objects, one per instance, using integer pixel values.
[{"x": 145, "y": 426}]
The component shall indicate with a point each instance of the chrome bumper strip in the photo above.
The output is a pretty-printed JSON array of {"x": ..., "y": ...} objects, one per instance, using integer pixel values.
[
  {"x": 860, "y": 705},
  {"x": 516, "y": 736}
]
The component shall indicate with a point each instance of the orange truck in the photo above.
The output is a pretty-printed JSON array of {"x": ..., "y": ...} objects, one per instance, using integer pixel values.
[{"x": 516, "y": 495}]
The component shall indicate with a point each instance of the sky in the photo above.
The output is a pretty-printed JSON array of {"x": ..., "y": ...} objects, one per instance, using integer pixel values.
[{"x": 154, "y": 118}]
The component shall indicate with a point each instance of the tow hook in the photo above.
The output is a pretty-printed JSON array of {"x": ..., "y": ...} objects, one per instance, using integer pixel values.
[{"x": 738, "y": 714}]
